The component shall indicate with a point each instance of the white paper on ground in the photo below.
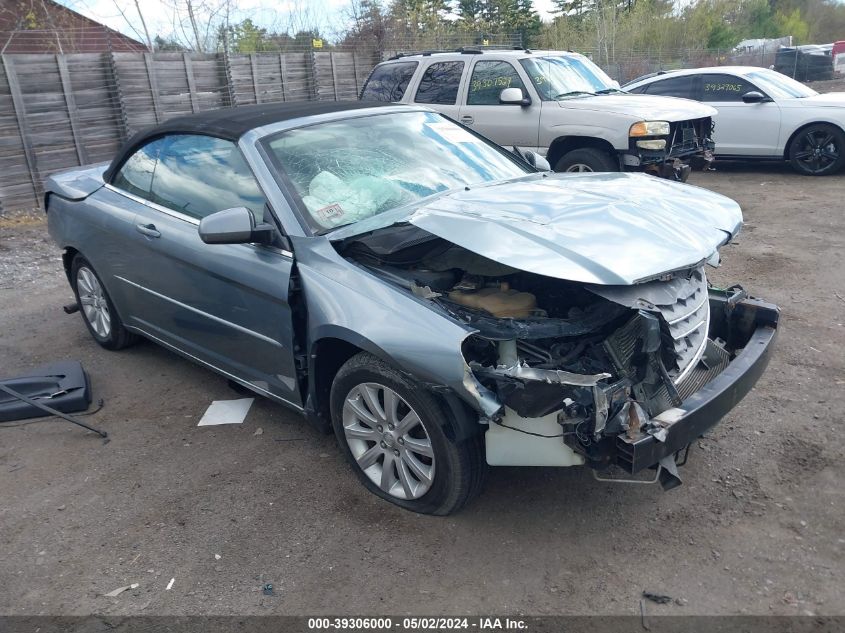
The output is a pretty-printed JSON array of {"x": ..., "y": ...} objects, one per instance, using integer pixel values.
[
  {"x": 226, "y": 412},
  {"x": 115, "y": 593}
]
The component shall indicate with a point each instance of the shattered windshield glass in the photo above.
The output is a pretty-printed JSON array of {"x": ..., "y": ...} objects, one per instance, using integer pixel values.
[
  {"x": 346, "y": 171},
  {"x": 569, "y": 76}
]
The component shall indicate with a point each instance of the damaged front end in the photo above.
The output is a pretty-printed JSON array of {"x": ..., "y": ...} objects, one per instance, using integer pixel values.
[
  {"x": 689, "y": 145},
  {"x": 566, "y": 373},
  {"x": 664, "y": 362}
]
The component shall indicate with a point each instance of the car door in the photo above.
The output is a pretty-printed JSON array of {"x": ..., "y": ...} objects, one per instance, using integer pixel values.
[
  {"x": 225, "y": 305},
  {"x": 742, "y": 129},
  {"x": 506, "y": 124},
  {"x": 439, "y": 86}
]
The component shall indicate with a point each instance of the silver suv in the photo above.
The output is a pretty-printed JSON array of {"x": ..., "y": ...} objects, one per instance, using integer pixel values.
[{"x": 558, "y": 104}]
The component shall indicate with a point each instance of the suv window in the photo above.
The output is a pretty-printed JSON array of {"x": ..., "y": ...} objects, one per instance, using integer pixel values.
[
  {"x": 388, "y": 82},
  {"x": 488, "y": 80},
  {"x": 440, "y": 83},
  {"x": 200, "y": 175},
  {"x": 136, "y": 174},
  {"x": 672, "y": 87},
  {"x": 724, "y": 88}
]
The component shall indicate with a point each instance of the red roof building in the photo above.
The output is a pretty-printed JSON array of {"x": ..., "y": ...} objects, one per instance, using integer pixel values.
[{"x": 45, "y": 26}]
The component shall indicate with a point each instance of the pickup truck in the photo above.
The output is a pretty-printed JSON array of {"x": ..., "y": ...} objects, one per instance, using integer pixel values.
[{"x": 557, "y": 104}]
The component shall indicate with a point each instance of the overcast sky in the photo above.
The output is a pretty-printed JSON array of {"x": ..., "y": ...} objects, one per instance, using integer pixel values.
[{"x": 329, "y": 14}]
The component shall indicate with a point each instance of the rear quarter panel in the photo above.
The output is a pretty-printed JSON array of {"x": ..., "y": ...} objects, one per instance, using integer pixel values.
[
  {"x": 98, "y": 226},
  {"x": 76, "y": 183}
]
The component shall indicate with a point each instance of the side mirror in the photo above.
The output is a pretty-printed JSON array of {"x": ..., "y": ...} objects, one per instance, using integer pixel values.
[
  {"x": 540, "y": 163},
  {"x": 532, "y": 158},
  {"x": 234, "y": 226},
  {"x": 754, "y": 97},
  {"x": 513, "y": 96}
]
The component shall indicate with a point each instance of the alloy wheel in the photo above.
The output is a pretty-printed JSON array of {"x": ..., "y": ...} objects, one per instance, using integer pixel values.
[
  {"x": 92, "y": 298},
  {"x": 579, "y": 167},
  {"x": 817, "y": 150},
  {"x": 388, "y": 441}
]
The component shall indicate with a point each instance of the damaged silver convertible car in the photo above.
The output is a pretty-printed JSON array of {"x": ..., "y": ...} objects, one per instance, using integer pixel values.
[{"x": 435, "y": 299}]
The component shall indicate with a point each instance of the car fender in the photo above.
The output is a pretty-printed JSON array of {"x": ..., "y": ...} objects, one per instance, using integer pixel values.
[
  {"x": 343, "y": 301},
  {"x": 793, "y": 120},
  {"x": 612, "y": 137},
  {"x": 611, "y": 127}
]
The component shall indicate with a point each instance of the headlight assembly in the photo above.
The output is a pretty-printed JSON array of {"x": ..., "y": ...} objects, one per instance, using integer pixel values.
[{"x": 649, "y": 128}]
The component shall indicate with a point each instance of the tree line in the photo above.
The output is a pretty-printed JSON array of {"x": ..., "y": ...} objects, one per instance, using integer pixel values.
[{"x": 606, "y": 26}]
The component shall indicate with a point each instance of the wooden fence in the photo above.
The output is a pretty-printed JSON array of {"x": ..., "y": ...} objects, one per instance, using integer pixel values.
[{"x": 60, "y": 111}]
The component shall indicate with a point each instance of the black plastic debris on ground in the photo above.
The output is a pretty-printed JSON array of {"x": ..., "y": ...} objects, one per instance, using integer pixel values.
[
  {"x": 64, "y": 386},
  {"x": 657, "y": 597}
]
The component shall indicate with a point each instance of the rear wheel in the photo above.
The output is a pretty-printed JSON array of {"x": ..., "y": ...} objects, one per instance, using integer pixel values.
[
  {"x": 97, "y": 308},
  {"x": 818, "y": 150},
  {"x": 391, "y": 431},
  {"x": 586, "y": 159}
]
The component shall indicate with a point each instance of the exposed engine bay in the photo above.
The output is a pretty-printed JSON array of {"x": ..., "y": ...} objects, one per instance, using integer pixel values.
[{"x": 585, "y": 363}]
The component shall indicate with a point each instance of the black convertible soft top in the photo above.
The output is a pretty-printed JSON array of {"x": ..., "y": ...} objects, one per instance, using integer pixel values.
[{"x": 232, "y": 123}]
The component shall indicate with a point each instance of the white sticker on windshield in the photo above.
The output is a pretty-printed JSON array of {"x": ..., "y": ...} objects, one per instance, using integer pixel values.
[
  {"x": 330, "y": 214},
  {"x": 451, "y": 132}
]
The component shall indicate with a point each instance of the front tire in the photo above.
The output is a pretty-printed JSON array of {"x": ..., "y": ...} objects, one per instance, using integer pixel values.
[
  {"x": 818, "y": 150},
  {"x": 96, "y": 307},
  {"x": 396, "y": 437},
  {"x": 586, "y": 159}
]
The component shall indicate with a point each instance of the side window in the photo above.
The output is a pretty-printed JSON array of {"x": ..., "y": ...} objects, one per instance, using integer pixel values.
[
  {"x": 440, "y": 83},
  {"x": 136, "y": 174},
  {"x": 200, "y": 175},
  {"x": 488, "y": 80},
  {"x": 673, "y": 87},
  {"x": 388, "y": 82},
  {"x": 724, "y": 88}
]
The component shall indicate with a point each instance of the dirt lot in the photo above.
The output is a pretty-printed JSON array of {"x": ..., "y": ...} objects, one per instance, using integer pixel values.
[{"x": 757, "y": 527}]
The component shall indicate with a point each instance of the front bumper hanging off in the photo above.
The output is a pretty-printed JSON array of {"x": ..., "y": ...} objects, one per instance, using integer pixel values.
[{"x": 748, "y": 326}]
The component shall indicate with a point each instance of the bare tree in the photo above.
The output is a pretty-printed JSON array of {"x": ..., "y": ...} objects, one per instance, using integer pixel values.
[
  {"x": 197, "y": 24},
  {"x": 144, "y": 25}
]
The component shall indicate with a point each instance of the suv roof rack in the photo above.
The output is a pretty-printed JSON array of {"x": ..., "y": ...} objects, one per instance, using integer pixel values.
[{"x": 463, "y": 50}]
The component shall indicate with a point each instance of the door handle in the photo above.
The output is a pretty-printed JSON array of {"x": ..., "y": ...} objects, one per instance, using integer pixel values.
[
  {"x": 467, "y": 120},
  {"x": 147, "y": 229}
]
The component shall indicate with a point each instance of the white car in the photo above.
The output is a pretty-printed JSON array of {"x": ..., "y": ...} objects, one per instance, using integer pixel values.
[{"x": 762, "y": 114}]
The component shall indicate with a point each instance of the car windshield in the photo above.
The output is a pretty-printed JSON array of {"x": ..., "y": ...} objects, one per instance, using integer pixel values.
[
  {"x": 350, "y": 170},
  {"x": 779, "y": 86},
  {"x": 560, "y": 77}
]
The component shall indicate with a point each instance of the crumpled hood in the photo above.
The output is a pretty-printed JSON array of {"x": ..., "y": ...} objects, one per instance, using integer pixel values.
[
  {"x": 642, "y": 107},
  {"x": 595, "y": 228}
]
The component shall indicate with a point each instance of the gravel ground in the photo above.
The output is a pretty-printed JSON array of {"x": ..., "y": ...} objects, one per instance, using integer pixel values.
[{"x": 755, "y": 529}]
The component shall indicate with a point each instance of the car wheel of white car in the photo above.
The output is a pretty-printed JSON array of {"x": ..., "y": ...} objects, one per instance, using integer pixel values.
[
  {"x": 96, "y": 306},
  {"x": 586, "y": 159},
  {"x": 391, "y": 430},
  {"x": 818, "y": 150}
]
